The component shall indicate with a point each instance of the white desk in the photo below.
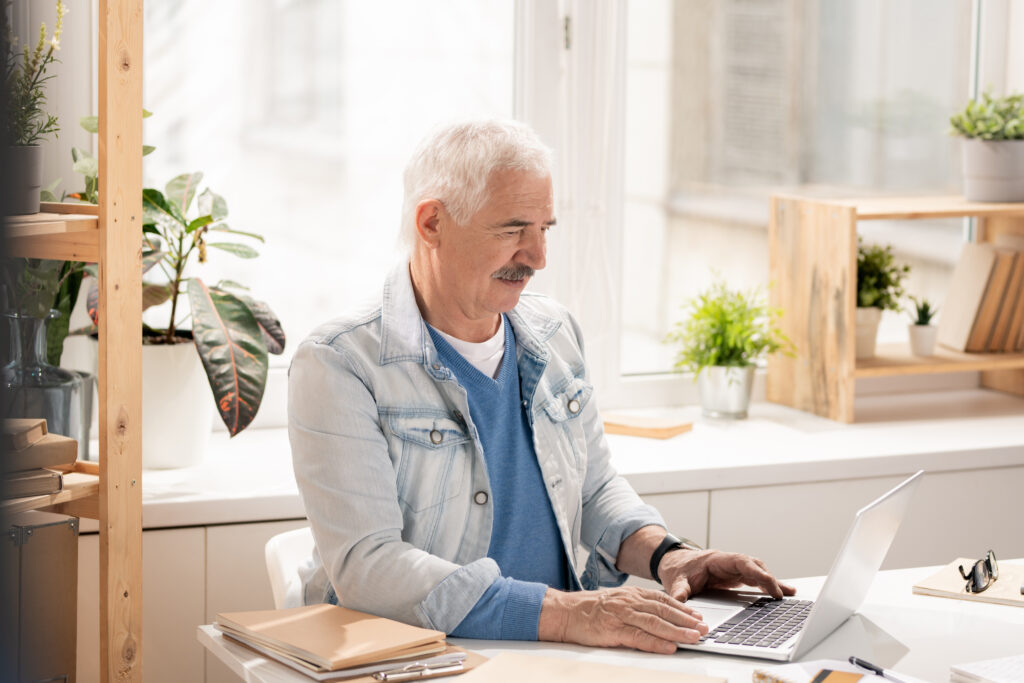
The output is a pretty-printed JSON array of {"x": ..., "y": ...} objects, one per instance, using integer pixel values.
[{"x": 919, "y": 635}]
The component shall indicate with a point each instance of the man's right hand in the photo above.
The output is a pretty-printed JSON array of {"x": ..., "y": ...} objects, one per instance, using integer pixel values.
[{"x": 639, "y": 618}]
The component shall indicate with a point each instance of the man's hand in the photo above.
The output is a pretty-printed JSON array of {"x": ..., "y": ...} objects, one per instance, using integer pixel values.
[
  {"x": 632, "y": 617},
  {"x": 685, "y": 573}
]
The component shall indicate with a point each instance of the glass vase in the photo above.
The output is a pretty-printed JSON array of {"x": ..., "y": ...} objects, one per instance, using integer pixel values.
[{"x": 33, "y": 388}]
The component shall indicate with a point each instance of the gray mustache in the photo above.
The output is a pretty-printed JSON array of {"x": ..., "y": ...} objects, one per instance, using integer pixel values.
[{"x": 513, "y": 271}]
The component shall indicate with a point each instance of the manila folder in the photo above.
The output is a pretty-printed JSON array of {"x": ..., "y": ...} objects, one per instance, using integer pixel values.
[
  {"x": 329, "y": 637},
  {"x": 513, "y": 667}
]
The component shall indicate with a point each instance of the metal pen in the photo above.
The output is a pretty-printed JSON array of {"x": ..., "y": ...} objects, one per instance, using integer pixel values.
[{"x": 877, "y": 670}]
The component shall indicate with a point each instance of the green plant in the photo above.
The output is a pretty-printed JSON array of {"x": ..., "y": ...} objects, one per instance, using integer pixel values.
[
  {"x": 232, "y": 332},
  {"x": 991, "y": 118},
  {"x": 25, "y": 78},
  {"x": 879, "y": 278},
  {"x": 727, "y": 327},
  {"x": 922, "y": 311}
]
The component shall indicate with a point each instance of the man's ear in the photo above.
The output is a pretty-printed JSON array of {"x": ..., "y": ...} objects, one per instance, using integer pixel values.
[{"x": 429, "y": 213}]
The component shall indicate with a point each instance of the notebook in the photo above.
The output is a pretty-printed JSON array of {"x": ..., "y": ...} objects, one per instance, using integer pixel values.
[
  {"x": 736, "y": 619},
  {"x": 329, "y": 637},
  {"x": 1002, "y": 670}
]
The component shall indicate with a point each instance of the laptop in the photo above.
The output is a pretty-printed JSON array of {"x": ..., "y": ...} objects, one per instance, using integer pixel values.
[{"x": 750, "y": 624}]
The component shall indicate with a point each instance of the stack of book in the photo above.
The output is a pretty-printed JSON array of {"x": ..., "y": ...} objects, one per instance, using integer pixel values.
[
  {"x": 329, "y": 642},
  {"x": 32, "y": 459},
  {"x": 984, "y": 309}
]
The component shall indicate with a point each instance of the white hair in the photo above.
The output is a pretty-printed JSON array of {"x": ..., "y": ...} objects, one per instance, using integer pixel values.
[{"x": 454, "y": 163}]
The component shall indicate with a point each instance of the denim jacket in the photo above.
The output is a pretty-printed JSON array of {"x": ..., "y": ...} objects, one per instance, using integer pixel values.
[{"x": 391, "y": 469}]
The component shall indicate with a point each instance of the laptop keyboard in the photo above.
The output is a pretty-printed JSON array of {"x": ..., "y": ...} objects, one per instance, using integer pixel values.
[{"x": 766, "y": 623}]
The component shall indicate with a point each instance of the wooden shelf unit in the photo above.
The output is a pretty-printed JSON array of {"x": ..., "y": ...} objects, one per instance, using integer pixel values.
[
  {"x": 813, "y": 255},
  {"x": 110, "y": 235}
]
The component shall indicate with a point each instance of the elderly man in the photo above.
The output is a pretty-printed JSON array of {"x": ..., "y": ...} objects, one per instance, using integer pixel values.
[{"x": 447, "y": 443}]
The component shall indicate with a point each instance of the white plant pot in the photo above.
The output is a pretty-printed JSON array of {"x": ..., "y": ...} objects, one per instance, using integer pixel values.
[
  {"x": 177, "y": 406},
  {"x": 922, "y": 339},
  {"x": 867, "y": 331},
  {"x": 725, "y": 391},
  {"x": 994, "y": 170}
]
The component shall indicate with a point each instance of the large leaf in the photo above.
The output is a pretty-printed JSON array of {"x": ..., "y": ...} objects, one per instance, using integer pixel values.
[
  {"x": 57, "y": 330},
  {"x": 223, "y": 227},
  {"x": 213, "y": 205},
  {"x": 156, "y": 210},
  {"x": 84, "y": 163},
  {"x": 198, "y": 223},
  {"x": 155, "y": 294},
  {"x": 270, "y": 326},
  {"x": 181, "y": 189},
  {"x": 239, "y": 250},
  {"x": 231, "y": 346},
  {"x": 90, "y": 123}
]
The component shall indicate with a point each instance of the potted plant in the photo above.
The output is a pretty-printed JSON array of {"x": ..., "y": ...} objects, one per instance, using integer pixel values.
[
  {"x": 26, "y": 123},
  {"x": 232, "y": 332},
  {"x": 721, "y": 340},
  {"x": 879, "y": 288},
  {"x": 993, "y": 148},
  {"x": 922, "y": 332}
]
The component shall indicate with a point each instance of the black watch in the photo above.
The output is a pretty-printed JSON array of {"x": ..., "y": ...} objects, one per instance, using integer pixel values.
[{"x": 667, "y": 545}]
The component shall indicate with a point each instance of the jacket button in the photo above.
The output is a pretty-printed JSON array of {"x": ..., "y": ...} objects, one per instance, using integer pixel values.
[
  {"x": 480, "y": 497},
  {"x": 574, "y": 406},
  {"x": 436, "y": 436}
]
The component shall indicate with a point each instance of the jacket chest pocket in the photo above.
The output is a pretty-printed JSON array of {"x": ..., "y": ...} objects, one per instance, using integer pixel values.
[
  {"x": 434, "y": 451},
  {"x": 564, "y": 409}
]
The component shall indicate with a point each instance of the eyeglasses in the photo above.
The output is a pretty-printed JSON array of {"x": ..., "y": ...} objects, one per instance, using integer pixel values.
[{"x": 982, "y": 575}]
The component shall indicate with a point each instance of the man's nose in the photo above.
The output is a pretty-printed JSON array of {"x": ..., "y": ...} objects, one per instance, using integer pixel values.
[{"x": 533, "y": 249}]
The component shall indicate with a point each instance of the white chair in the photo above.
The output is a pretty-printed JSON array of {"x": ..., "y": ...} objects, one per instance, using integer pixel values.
[{"x": 285, "y": 553}]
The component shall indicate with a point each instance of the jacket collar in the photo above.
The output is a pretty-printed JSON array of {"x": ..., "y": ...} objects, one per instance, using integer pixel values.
[{"x": 404, "y": 335}]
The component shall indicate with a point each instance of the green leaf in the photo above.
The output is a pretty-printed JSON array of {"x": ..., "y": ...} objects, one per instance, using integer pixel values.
[
  {"x": 270, "y": 326},
  {"x": 234, "y": 355},
  {"x": 198, "y": 223},
  {"x": 157, "y": 211},
  {"x": 231, "y": 284},
  {"x": 86, "y": 165},
  {"x": 146, "y": 113},
  {"x": 239, "y": 250},
  {"x": 181, "y": 189},
  {"x": 148, "y": 149},
  {"x": 151, "y": 259},
  {"x": 155, "y": 294},
  {"x": 212, "y": 204},
  {"x": 223, "y": 227},
  {"x": 90, "y": 123}
]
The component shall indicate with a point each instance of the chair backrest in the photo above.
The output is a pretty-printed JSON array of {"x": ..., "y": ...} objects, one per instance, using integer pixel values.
[{"x": 285, "y": 553}]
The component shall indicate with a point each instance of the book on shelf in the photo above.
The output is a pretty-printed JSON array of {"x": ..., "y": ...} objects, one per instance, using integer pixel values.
[
  {"x": 21, "y": 432},
  {"x": 37, "y": 482},
  {"x": 649, "y": 427},
  {"x": 947, "y": 583},
  {"x": 992, "y": 301},
  {"x": 965, "y": 293},
  {"x": 1011, "y": 295},
  {"x": 330, "y": 637},
  {"x": 52, "y": 451},
  {"x": 1014, "y": 341}
]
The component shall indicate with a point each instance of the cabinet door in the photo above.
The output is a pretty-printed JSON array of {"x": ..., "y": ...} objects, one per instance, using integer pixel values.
[
  {"x": 173, "y": 563},
  {"x": 236, "y": 577}
]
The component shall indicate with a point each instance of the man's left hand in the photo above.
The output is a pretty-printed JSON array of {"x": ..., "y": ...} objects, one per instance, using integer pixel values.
[{"x": 685, "y": 573}]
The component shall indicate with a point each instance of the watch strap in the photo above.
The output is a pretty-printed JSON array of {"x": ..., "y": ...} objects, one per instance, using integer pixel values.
[{"x": 667, "y": 545}]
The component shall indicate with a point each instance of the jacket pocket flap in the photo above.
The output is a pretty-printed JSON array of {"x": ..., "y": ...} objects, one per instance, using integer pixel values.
[
  {"x": 569, "y": 401},
  {"x": 429, "y": 431}
]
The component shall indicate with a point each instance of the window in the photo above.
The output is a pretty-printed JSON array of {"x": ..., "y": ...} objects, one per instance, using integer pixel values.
[{"x": 302, "y": 113}]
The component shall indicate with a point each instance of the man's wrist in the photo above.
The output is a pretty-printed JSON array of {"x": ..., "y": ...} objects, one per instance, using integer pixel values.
[{"x": 669, "y": 544}]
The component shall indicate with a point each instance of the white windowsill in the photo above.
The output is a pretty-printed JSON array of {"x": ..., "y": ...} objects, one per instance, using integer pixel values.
[{"x": 249, "y": 478}]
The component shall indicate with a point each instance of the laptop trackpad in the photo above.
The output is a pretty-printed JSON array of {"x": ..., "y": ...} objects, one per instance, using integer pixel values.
[{"x": 718, "y": 605}]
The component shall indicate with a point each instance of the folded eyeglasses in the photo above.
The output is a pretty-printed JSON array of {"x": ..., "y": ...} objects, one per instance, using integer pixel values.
[{"x": 982, "y": 575}]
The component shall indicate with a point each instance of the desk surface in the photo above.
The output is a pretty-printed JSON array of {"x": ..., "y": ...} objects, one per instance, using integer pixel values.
[{"x": 915, "y": 634}]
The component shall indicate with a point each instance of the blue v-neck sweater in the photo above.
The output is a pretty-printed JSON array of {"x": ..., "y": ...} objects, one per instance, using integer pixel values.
[{"x": 525, "y": 541}]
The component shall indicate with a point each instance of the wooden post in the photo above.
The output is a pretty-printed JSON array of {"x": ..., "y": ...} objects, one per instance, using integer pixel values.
[{"x": 120, "y": 338}]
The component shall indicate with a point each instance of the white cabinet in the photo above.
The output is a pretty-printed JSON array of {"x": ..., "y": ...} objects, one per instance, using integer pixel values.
[
  {"x": 173, "y": 596},
  {"x": 236, "y": 577},
  {"x": 798, "y": 528}
]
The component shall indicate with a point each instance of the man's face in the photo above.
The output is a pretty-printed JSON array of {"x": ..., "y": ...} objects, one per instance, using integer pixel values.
[{"x": 486, "y": 266}]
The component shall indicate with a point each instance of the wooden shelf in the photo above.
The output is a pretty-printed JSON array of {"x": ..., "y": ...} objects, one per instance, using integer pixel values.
[
  {"x": 813, "y": 254},
  {"x": 895, "y": 359},
  {"x": 66, "y": 232},
  {"x": 79, "y": 488}
]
